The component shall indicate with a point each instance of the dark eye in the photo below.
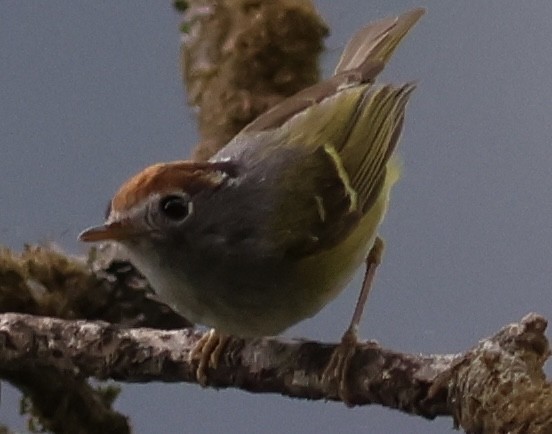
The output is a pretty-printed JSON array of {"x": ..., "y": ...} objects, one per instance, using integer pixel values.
[{"x": 175, "y": 207}]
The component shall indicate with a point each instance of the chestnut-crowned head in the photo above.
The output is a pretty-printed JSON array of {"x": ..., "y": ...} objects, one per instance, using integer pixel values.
[{"x": 158, "y": 202}]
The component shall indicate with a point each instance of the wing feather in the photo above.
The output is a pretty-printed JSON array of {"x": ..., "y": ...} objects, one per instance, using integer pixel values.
[{"x": 328, "y": 147}]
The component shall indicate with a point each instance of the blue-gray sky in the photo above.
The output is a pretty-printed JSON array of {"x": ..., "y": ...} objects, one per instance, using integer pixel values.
[{"x": 91, "y": 92}]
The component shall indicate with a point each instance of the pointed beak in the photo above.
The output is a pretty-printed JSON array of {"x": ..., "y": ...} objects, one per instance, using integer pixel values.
[{"x": 110, "y": 231}]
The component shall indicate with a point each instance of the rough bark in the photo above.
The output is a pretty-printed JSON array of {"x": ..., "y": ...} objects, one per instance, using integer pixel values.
[
  {"x": 44, "y": 281},
  {"x": 241, "y": 57},
  {"x": 497, "y": 386}
]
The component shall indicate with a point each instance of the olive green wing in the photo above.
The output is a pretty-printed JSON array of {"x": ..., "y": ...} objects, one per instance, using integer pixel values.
[
  {"x": 347, "y": 141},
  {"x": 335, "y": 138}
]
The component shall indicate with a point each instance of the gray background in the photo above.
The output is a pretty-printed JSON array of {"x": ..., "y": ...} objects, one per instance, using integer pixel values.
[{"x": 90, "y": 92}]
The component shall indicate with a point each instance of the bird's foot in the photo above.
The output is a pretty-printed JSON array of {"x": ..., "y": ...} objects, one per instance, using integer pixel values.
[
  {"x": 337, "y": 368},
  {"x": 207, "y": 352}
]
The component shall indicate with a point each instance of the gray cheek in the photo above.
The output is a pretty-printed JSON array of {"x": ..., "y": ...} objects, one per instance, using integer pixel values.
[{"x": 142, "y": 254}]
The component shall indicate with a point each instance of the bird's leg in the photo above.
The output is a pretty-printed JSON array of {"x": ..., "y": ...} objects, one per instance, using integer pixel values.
[
  {"x": 207, "y": 352},
  {"x": 337, "y": 367}
]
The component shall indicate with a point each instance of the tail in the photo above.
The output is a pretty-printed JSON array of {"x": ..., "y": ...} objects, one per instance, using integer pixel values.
[
  {"x": 374, "y": 44},
  {"x": 362, "y": 60}
]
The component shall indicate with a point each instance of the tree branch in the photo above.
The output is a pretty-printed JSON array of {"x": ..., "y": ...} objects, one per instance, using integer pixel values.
[
  {"x": 476, "y": 388},
  {"x": 241, "y": 57},
  {"x": 44, "y": 281},
  {"x": 63, "y": 402}
]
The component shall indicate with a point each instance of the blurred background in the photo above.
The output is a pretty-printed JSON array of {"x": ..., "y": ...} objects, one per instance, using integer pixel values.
[{"x": 91, "y": 92}]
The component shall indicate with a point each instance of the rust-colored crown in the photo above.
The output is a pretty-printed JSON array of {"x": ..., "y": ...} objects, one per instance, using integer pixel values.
[{"x": 189, "y": 176}]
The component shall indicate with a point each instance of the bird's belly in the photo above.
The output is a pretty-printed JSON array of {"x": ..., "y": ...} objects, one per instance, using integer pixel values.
[
  {"x": 262, "y": 302},
  {"x": 265, "y": 311}
]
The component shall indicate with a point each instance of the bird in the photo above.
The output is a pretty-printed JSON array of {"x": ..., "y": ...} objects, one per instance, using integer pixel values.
[{"x": 271, "y": 228}]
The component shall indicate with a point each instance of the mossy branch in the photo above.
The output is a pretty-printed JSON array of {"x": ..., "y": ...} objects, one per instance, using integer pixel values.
[{"x": 497, "y": 386}]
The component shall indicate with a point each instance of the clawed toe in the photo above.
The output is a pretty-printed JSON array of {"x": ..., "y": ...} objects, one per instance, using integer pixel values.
[{"x": 207, "y": 352}]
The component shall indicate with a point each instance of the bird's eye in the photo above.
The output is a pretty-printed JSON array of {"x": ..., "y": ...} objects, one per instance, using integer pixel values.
[{"x": 175, "y": 207}]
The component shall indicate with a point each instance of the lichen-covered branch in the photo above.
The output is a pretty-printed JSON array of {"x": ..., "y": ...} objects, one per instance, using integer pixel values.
[
  {"x": 264, "y": 365},
  {"x": 500, "y": 386},
  {"x": 45, "y": 281},
  {"x": 241, "y": 57},
  {"x": 63, "y": 402},
  {"x": 486, "y": 390}
]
